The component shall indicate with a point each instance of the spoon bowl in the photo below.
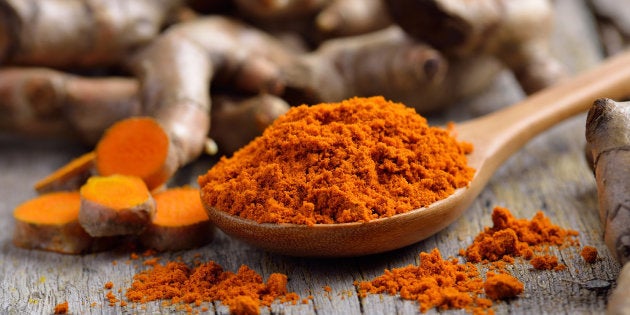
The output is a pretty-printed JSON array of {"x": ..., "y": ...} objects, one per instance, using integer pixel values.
[{"x": 495, "y": 138}]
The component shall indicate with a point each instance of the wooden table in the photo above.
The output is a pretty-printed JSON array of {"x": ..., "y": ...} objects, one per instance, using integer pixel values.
[{"x": 548, "y": 174}]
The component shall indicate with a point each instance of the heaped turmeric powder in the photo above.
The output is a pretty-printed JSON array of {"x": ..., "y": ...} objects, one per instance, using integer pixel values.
[
  {"x": 178, "y": 283},
  {"x": 353, "y": 161},
  {"x": 514, "y": 237},
  {"x": 435, "y": 282}
]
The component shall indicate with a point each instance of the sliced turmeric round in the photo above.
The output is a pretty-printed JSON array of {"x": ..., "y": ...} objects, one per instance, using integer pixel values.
[
  {"x": 137, "y": 146},
  {"x": 50, "y": 222},
  {"x": 115, "y": 205},
  {"x": 180, "y": 221},
  {"x": 68, "y": 177}
]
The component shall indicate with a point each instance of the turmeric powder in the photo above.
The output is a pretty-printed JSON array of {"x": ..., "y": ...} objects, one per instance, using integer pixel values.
[
  {"x": 516, "y": 237},
  {"x": 243, "y": 291},
  {"x": 502, "y": 286},
  {"x": 61, "y": 308},
  {"x": 435, "y": 282},
  {"x": 353, "y": 161},
  {"x": 589, "y": 254}
]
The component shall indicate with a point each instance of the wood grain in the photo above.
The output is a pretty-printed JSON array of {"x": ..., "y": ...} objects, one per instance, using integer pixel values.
[{"x": 549, "y": 174}]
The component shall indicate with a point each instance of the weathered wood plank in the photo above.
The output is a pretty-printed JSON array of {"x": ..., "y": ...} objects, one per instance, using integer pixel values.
[{"x": 547, "y": 174}]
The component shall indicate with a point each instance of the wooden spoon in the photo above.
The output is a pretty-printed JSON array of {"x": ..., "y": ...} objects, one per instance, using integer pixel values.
[{"x": 495, "y": 137}]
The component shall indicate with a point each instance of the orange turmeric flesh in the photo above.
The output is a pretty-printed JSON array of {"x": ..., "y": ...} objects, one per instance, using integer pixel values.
[
  {"x": 179, "y": 207},
  {"x": 68, "y": 177},
  {"x": 117, "y": 191},
  {"x": 50, "y": 209},
  {"x": 50, "y": 222},
  {"x": 136, "y": 146},
  {"x": 115, "y": 205},
  {"x": 180, "y": 221}
]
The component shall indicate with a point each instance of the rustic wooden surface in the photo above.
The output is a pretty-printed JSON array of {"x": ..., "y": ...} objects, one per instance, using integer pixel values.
[{"x": 548, "y": 174}]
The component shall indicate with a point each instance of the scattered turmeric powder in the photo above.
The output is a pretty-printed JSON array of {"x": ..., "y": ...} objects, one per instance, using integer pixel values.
[
  {"x": 61, "y": 308},
  {"x": 242, "y": 291},
  {"x": 244, "y": 305},
  {"x": 516, "y": 237},
  {"x": 109, "y": 285},
  {"x": 589, "y": 253},
  {"x": 353, "y": 161},
  {"x": 435, "y": 282}
]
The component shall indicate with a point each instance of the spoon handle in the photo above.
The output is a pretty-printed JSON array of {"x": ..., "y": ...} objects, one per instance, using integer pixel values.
[{"x": 498, "y": 135}]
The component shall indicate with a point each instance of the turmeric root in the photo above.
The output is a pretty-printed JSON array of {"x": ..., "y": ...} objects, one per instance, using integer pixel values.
[
  {"x": 137, "y": 146},
  {"x": 178, "y": 68},
  {"x": 386, "y": 63},
  {"x": 618, "y": 303},
  {"x": 279, "y": 8},
  {"x": 516, "y": 32},
  {"x": 43, "y": 102},
  {"x": 78, "y": 33},
  {"x": 69, "y": 177},
  {"x": 180, "y": 221},
  {"x": 613, "y": 20},
  {"x": 352, "y": 17},
  {"x": 236, "y": 122},
  {"x": 115, "y": 205},
  {"x": 50, "y": 222},
  {"x": 608, "y": 137}
]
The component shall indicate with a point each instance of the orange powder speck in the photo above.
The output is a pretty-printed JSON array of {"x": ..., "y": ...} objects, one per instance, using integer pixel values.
[
  {"x": 353, "y": 161},
  {"x": 546, "y": 262},
  {"x": 327, "y": 289},
  {"x": 244, "y": 305},
  {"x": 134, "y": 256},
  {"x": 111, "y": 298},
  {"x": 502, "y": 286},
  {"x": 589, "y": 254},
  {"x": 511, "y": 237},
  {"x": 61, "y": 308},
  {"x": 109, "y": 285}
]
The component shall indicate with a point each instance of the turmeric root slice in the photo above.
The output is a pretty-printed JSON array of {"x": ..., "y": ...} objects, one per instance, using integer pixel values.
[
  {"x": 137, "y": 146},
  {"x": 115, "y": 205},
  {"x": 69, "y": 177},
  {"x": 180, "y": 221},
  {"x": 50, "y": 222}
]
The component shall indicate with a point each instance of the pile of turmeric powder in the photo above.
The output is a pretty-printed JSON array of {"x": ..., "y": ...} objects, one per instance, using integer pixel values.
[
  {"x": 353, "y": 161},
  {"x": 435, "y": 282},
  {"x": 449, "y": 284},
  {"x": 244, "y": 292},
  {"x": 510, "y": 237}
]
